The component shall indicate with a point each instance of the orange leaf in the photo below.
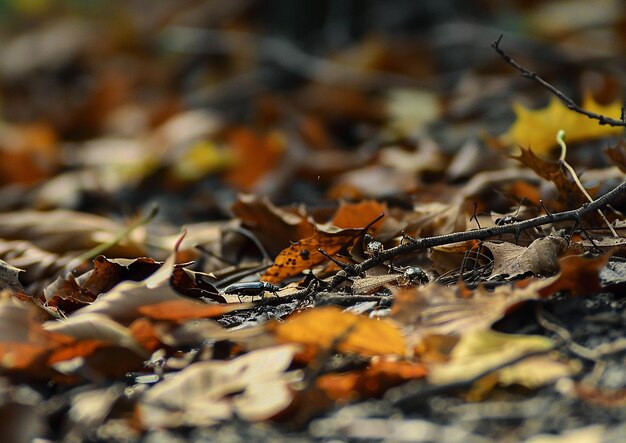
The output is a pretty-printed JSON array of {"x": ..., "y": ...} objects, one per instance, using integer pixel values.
[
  {"x": 322, "y": 326},
  {"x": 145, "y": 334},
  {"x": 359, "y": 215},
  {"x": 304, "y": 254},
  {"x": 371, "y": 382},
  {"x": 180, "y": 310},
  {"x": 255, "y": 155}
]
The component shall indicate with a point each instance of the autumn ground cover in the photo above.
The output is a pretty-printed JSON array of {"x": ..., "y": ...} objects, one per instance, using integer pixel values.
[{"x": 312, "y": 221}]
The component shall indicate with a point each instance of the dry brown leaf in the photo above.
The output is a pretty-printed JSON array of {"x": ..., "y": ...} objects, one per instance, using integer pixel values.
[
  {"x": 434, "y": 309},
  {"x": 24, "y": 344},
  {"x": 275, "y": 227},
  {"x": 9, "y": 277},
  {"x": 61, "y": 231},
  {"x": 153, "y": 298},
  {"x": 617, "y": 154},
  {"x": 579, "y": 275},
  {"x": 207, "y": 392},
  {"x": 539, "y": 258},
  {"x": 570, "y": 195},
  {"x": 320, "y": 327}
]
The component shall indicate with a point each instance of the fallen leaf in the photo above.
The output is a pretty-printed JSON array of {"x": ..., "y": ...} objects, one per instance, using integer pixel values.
[
  {"x": 207, "y": 392},
  {"x": 373, "y": 381},
  {"x": 320, "y": 327},
  {"x": 9, "y": 277},
  {"x": 536, "y": 129},
  {"x": 275, "y": 227},
  {"x": 266, "y": 150},
  {"x": 617, "y": 154},
  {"x": 480, "y": 351},
  {"x": 358, "y": 215},
  {"x": 539, "y": 258},
  {"x": 305, "y": 253},
  {"x": 435, "y": 309},
  {"x": 579, "y": 275},
  {"x": 570, "y": 195}
]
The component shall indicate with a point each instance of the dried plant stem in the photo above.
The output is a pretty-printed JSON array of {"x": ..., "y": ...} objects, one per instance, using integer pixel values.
[
  {"x": 99, "y": 249},
  {"x": 560, "y": 138}
]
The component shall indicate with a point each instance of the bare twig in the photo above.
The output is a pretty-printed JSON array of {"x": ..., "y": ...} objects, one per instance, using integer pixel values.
[
  {"x": 602, "y": 119},
  {"x": 478, "y": 234}
]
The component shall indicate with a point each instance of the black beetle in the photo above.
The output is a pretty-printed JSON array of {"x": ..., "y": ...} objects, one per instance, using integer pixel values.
[{"x": 251, "y": 288}]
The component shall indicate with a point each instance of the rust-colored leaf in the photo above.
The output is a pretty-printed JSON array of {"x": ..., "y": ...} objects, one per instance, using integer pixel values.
[
  {"x": 304, "y": 254},
  {"x": 570, "y": 195},
  {"x": 359, "y": 215},
  {"x": 371, "y": 382},
  {"x": 266, "y": 150},
  {"x": 181, "y": 310}
]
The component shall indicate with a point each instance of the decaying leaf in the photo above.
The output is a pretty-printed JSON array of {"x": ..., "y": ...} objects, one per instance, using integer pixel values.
[
  {"x": 539, "y": 258},
  {"x": 305, "y": 253},
  {"x": 210, "y": 391},
  {"x": 9, "y": 277},
  {"x": 536, "y": 129},
  {"x": 434, "y": 309},
  {"x": 570, "y": 195}
]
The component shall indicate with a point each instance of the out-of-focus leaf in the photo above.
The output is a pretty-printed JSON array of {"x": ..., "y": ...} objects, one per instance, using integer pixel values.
[
  {"x": 254, "y": 156},
  {"x": 480, "y": 351},
  {"x": 62, "y": 231},
  {"x": 411, "y": 110},
  {"x": 570, "y": 195},
  {"x": 28, "y": 153},
  {"x": 320, "y": 327},
  {"x": 617, "y": 154},
  {"x": 434, "y": 309},
  {"x": 579, "y": 275},
  {"x": 206, "y": 392},
  {"x": 536, "y": 129},
  {"x": 9, "y": 277},
  {"x": 371, "y": 382},
  {"x": 359, "y": 215}
]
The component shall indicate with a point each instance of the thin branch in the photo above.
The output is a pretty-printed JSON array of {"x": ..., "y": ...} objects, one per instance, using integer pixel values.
[
  {"x": 602, "y": 119},
  {"x": 479, "y": 234}
]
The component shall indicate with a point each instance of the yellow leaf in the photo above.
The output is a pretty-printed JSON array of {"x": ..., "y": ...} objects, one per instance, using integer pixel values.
[
  {"x": 536, "y": 129},
  {"x": 480, "y": 351},
  {"x": 322, "y": 326},
  {"x": 202, "y": 158}
]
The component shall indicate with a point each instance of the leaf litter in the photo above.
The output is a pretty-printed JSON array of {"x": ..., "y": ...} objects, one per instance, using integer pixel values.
[{"x": 362, "y": 259}]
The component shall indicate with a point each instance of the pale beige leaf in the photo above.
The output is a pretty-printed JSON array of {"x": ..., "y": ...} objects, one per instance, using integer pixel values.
[{"x": 539, "y": 258}]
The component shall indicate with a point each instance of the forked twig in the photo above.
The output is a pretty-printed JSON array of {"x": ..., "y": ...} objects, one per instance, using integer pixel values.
[{"x": 602, "y": 119}]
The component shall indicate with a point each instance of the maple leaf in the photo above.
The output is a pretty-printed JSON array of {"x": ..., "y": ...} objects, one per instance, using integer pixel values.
[{"x": 536, "y": 129}]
